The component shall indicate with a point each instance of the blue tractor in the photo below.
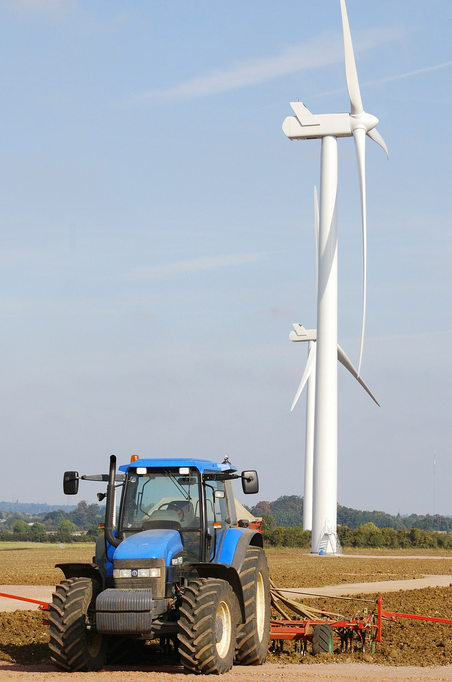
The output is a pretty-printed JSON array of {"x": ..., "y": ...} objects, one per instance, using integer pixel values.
[{"x": 177, "y": 565}]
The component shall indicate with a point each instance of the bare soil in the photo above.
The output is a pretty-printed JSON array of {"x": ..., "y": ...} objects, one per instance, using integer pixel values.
[{"x": 23, "y": 637}]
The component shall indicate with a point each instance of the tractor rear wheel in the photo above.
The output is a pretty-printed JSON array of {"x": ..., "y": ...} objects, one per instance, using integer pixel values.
[
  {"x": 322, "y": 639},
  {"x": 253, "y": 635},
  {"x": 74, "y": 643},
  {"x": 207, "y": 627}
]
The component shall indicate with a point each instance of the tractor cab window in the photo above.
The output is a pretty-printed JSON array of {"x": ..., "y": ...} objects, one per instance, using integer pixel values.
[{"x": 163, "y": 499}]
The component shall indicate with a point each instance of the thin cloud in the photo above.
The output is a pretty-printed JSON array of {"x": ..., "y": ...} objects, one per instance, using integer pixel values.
[
  {"x": 409, "y": 74},
  {"x": 388, "y": 79},
  {"x": 184, "y": 267},
  {"x": 323, "y": 50}
]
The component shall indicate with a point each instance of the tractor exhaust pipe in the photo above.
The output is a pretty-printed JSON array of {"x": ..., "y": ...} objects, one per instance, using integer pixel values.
[{"x": 110, "y": 507}]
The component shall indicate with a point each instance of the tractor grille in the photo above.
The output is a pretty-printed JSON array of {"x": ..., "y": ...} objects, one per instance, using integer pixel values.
[
  {"x": 141, "y": 574},
  {"x": 124, "y": 612}
]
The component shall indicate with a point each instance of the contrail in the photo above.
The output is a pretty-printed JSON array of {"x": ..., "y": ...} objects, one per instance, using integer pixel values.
[
  {"x": 322, "y": 50},
  {"x": 408, "y": 74},
  {"x": 389, "y": 79}
]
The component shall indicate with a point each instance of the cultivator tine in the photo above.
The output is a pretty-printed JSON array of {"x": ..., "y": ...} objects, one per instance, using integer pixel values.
[{"x": 298, "y": 608}]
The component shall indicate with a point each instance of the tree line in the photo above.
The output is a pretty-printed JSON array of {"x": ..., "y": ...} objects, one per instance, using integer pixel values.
[
  {"x": 287, "y": 511},
  {"x": 77, "y": 525},
  {"x": 283, "y": 527},
  {"x": 365, "y": 536}
]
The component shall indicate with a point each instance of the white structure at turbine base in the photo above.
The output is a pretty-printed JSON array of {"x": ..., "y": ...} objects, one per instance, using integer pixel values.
[{"x": 328, "y": 127}]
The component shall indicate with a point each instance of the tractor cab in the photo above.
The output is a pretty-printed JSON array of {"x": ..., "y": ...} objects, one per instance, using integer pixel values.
[{"x": 195, "y": 499}]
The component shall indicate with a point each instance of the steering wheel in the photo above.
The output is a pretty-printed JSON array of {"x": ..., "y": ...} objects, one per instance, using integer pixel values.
[{"x": 174, "y": 506}]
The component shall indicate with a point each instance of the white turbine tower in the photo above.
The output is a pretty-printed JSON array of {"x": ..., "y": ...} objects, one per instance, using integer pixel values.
[
  {"x": 328, "y": 127},
  {"x": 308, "y": 380}
]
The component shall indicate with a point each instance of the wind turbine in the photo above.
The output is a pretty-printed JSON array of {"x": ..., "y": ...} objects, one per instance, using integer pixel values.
[{"x": 328, "y": 127}]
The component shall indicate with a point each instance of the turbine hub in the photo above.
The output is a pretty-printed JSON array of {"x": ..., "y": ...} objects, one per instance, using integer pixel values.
[{"x": 365, "y": 121}]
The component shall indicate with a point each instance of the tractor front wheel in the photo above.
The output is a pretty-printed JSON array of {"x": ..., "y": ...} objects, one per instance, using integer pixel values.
[
  {"x": 75, "y": 644},
  {"x": 207, "y": 627}
]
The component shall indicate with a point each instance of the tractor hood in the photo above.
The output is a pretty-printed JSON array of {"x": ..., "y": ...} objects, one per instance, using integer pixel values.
[{"x": 151, "y": 544}]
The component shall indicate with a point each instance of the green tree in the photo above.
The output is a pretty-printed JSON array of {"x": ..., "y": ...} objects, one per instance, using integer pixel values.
[
  {"x": 275, "y": 537},
  {"x": 38, "y": 532},
  {"x": 67, "y": 527},
  {"x": 269, "y": 521},
  {"x": 52, "y": 519},
  {"x": 85, "y": 515},
  {"x": 20, "y": 526},
  {"x": 390, "y": 537}
]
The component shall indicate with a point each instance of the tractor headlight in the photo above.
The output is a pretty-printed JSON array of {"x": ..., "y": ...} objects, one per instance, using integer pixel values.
[
  {"x": 149, "y": 572},
  {"x": 136, "y": 573},
  {"x": 122, "y": 573}
]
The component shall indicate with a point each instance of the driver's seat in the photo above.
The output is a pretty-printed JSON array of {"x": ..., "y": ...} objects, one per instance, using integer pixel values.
[{"x": 162, "y": 518}]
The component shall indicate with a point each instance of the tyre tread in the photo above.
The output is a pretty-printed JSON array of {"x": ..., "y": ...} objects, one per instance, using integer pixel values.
[
  {"x": 251, "y": 651},
  {"x": 67, "y": 631},
  {"x": 197, "y": 648}
]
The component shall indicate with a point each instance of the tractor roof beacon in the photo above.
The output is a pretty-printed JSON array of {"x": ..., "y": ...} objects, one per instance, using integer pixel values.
[{"x": 176, "y": 565}]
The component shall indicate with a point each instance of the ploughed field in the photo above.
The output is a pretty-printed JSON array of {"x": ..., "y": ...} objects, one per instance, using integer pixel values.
[{"x": 23, "y": 637}]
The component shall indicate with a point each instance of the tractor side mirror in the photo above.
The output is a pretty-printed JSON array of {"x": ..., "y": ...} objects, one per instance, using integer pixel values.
[
  {"x": 70, "y": 482},
  {"x": 250, "y": 482}
]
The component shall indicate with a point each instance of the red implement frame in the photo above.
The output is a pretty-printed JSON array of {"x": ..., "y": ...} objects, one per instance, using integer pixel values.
[
  {"x": 393, "y": 616},
  {"x": 42, "y": 605},
  {"x": 368, "y": 627}
]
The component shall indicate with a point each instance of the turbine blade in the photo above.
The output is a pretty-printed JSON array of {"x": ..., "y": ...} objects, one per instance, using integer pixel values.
[
  {"x": 351, "y": 75},
  {"x": 360, "y": 144},
  {"x": 376, "y": 137},
  {"x": 317, "y": 222},
  {"x": 310, "y": 364},
  {"x": 344, "y": 360}
]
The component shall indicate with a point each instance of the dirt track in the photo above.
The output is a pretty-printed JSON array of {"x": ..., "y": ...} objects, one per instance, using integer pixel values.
[{"x": 346, "y": 672}]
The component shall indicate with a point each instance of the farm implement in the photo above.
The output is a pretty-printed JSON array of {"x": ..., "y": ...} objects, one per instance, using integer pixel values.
[{"x": 324, "y": 629}]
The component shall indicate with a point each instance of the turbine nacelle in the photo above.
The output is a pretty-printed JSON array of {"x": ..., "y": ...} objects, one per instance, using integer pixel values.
[
  {"x": 300, "y": 333},
  {"x": 307, "y": 126}
]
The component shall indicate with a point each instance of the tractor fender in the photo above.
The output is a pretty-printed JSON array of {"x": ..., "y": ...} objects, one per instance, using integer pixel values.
[
  {"x": 235, "y": 546},
  {"x": 227, "y": 573},
  {"x": 80, "y": 570},
  {"x": 230, "y": 560}
]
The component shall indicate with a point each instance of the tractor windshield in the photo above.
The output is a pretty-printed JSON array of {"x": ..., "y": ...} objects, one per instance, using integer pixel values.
[{"x": 163, "y": 498}]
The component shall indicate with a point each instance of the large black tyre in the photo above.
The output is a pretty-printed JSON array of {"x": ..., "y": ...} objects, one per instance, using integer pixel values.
[
  {"x": 322, "y": 639},
  {"x": 74, "y": 643},
  {"x": 207, "y": 627},
  {"x": 253, "y": 635}
]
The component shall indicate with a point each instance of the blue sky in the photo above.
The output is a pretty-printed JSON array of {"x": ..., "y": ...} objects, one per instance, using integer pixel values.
[{"x": 157, "y": 241}]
